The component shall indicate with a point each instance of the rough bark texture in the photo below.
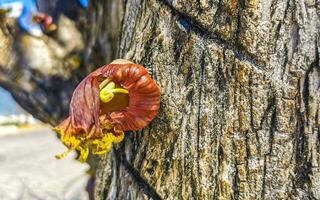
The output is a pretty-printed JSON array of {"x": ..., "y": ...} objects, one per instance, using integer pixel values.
[{"x": 240, "y": 100}]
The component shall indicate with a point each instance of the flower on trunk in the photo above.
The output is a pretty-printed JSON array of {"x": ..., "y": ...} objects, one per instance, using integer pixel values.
[{"x": 117, "y": 97}]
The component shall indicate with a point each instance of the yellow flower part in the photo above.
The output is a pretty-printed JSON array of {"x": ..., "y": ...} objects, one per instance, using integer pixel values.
[
  {"x": 108, "y": 90},
  {"x": 84, "y": 141},
  {"x": 82, "y": 144}
]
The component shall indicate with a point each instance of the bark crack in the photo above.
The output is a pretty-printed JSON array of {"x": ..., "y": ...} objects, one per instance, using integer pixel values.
[
  {"x": 199, "y": 106},
  {"x": 303, "y": 164},
  {"x": 141, "y": 183},
  {"x": 196, "y": 27},
  {"x": 263, "y": 191}
]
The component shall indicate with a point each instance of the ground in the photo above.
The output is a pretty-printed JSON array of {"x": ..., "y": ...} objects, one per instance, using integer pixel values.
[{"x": 30, "y": 171}]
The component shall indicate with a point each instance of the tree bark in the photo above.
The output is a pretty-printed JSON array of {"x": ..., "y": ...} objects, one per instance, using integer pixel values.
[{"x": 239, "y": 114}]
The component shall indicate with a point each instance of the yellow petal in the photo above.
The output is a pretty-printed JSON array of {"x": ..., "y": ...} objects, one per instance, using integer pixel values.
[
  {"x": 84, "y": 152},
  {"x": 117, "y": 139}
]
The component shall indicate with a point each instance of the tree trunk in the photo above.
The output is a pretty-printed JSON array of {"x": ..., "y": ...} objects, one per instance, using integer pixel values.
[{"x": 240, "y": 100}]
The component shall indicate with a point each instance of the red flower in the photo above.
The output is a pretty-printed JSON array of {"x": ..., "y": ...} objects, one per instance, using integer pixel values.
[
  {"x": 117, "y": 97},
  {"x": 46, "y": 21}
]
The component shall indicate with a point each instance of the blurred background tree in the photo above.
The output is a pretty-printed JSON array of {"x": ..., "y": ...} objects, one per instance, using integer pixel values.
[
  {"x": 41, "y": 72},
  {"x": 240, "y": 94}
]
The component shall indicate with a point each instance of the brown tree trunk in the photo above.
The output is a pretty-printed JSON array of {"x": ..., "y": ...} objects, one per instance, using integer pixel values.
[{"x": 240, "y": 100}]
